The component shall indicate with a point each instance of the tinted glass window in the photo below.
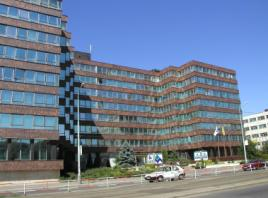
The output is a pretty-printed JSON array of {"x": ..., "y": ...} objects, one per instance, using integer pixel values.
[
  {"x": 13, "y": 11},
  {"x": 11, "y": 31},
  {"x": 3, "y": 10},
  {"x": 22, "y": 33},
  {"x": 8, "y": 74},
  {"x": 2, "y": 29},
  {"x": 19, "y": 75}
]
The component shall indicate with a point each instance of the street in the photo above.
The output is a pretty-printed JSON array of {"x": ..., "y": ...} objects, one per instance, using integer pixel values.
[{"x": 244, "y": 184}]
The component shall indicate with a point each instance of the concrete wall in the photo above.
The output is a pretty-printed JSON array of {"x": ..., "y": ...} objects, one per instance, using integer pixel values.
[{"x": 29, "y": 175}]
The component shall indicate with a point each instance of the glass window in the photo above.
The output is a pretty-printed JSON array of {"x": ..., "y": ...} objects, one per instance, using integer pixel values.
[
  {"x": 23, "y": 14},
  {"x": 19, "y": 75},
  {"x": 51, "y": 59},
  {"x": 2, "y": 52},
  {"x": 29, "y": 76},
  {"x": 40, "y": 78},
  {"x": 13, "y": 11},
  {"x": 31, "y": 56},
  {"x": 39, "y": 121},
  {"x": 41, "y": 57},
  {"x": 17, "y": 97},
  {"x": 43, "y": 18},
  {"x": 14, "y": 150},
  {"x": 42, "y": 37},
  {"x": 50, "y": 100},
  {"x": 3, "y": 10},
  {"x": 3, "y": 149},
  {"x": 22, "y": 34},
  {"x": 50, "y": 79},
  {"x": 17, "y": 120},
  {"x": 32, "y": 35},
  {"x": 10, "y": 52},
  {"x": 8, "y": 74},
  {"x": 25, "y": 147},
  {"x": 6, "y": 96},
  {"x": 28, "y": 121},
  {"x": 1, "y": 73},
  {"x": 5, "y": 121},
  {"x": 2, "y": 29},
  {"x": 34, "y": 16},
  {"x": 39, "y": 99},
  {"x": 50, "y": 122},
  {"x": 28, "y": 98},
  {"x": 20, "y": 54},
  {"x": 11, "y": 32},
  {"x": 53, "y": 20},
  {"x": 51, "y": 38}
]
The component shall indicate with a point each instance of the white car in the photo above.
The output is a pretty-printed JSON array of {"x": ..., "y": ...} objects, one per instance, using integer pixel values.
[{"x": 166, "y": 173}]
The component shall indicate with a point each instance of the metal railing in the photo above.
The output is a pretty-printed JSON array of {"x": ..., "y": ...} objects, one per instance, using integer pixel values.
[{"x": 26, "y": 188}]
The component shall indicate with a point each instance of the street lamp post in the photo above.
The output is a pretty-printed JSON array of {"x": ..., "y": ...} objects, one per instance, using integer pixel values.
[
  {"x": 243, "y": 135},
  {"x": 78, "y": 137}
]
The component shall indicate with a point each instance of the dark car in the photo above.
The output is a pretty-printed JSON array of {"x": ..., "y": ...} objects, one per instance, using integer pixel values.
[{"x": 254, "y": 165}]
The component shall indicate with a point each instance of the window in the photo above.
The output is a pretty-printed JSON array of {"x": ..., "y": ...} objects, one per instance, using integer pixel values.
[
  {"x": 5, "y": 121},
  {"x": 28, "y": 122},
  {"x": 39, "y": 99},
  {"x": 39, "y": 121},
  {"x": 43, "y": 18},
  {"x": 29, "y": 76},
  {"x": 6, "y": 96},
  {"x": 22, "y": 34},
  {"x": 2, "y": 29},
  {"x": 40, "y": 78},
  {"x": 17, "y": 120},
  {"x": 42, "y": 37},
  {"x": 41, "y": 57},
  {"x": 50, "y": 122},
  {"x": 10, "y": 52},
  {"x": 28, "y": 98},
  {"x": 21, "y": 54},
  {"x": 255, "y": 135},
  {"x": 19, "y": 75},
  {"x": 23, "y": 14},
  {"x": 262, "y": 126},
  {"x": 245, "y": 121},
  {"x": 8, "y": 74},
  {"x": 33, "y": 16},
  {"x": 261, "y": 118},
  {"x": 50, "y": 79},
  {"x": 253, "y": 127},
  {"x": 3, "y": 10},
  {"x": 246, "y": 129},
  {"x": 13, "y": 11},
  {"x": 3, "y": 149},
  {"x": 252, "y": 119},
  {"x": 25, "y": 146},
  {"x": 17, "y": 97},
  {"x": 31, "y": 56},
  {"x": 32, "y": 35},
  {"x": 11, "y": 32},
  {"x": 264, "y": 134},
  {"x": 50, "y": 100},
  {"x": 14, "y": 149}
]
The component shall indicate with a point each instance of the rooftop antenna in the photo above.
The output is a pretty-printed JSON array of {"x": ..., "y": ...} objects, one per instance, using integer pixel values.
[{"x": 90, "y": 51}]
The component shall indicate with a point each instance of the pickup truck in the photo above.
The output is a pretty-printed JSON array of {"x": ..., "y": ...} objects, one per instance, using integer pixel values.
[{"x": 167, "y": 172}]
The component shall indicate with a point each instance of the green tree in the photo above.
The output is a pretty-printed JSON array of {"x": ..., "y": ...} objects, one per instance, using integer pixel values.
[
  {"x": 252, "y": 151},
  {"x": 126, "y": 157}
]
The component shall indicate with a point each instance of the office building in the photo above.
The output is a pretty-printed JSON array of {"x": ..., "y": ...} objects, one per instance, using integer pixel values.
[
  {"x": 255, "y": 127},
  {"x": 32, "y": 39},
  {"x": 174, "y": 109}
]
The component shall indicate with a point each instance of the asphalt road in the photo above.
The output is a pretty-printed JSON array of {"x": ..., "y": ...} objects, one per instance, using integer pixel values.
[{"x": 245, "y": 184}]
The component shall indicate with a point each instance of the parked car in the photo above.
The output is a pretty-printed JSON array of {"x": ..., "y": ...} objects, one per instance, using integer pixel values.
[
  {"x": 254, "y": 165},
  {"x": 166, "y": 172}
]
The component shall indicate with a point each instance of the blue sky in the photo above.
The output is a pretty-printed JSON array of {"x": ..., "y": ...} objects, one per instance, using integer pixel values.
[{"x": 152, "y": 34}]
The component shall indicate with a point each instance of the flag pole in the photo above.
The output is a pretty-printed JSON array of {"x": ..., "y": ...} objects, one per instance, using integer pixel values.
[{"x": 219, "y": 146}]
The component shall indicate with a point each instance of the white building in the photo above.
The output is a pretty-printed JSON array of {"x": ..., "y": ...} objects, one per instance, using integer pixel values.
[{"x": 256, "y": 128}]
